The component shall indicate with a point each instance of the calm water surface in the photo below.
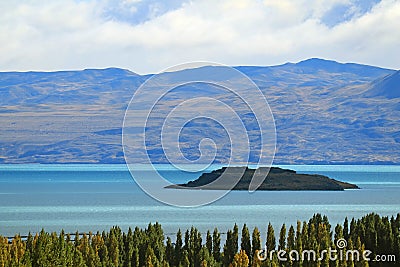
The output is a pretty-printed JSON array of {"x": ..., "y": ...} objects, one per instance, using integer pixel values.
[{"x": 96, "y": 197}]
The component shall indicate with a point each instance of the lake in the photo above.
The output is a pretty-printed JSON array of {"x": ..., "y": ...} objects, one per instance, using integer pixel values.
[{"x": 96, "y": 197}]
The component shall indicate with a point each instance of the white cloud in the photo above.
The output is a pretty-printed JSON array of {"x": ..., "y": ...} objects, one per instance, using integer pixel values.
[{"x": 54, "y": 35}]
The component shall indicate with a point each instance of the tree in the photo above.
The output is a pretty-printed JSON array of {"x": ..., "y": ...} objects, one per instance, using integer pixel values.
[
  {"x": 352, "y": 232},
  {"x": 113, "y": 249},
  {"x": 216, "y": 245},
  {"x": 231, "y": 245},
  {"x": 255, "y": 242},
  {"x": 151, "y": 259},
  {"x": 323, "y": 236},
  {"x": 42, "y": 249},
  {"x": 128, "y": 247},
  {"x": 194, "y": 247},
  {"x": 155, "y": 239},
  {"x": 290, "y": 239},
  {"x": 178, "y": 249},
  {"x": 298, "y": 244},
  {"x": 169, "y": 252},
  {"x": 271, "y": 242},
  {"x": 4, "y": 252},
  {"x": 282, "y": 238},
  {"x": 206, "y": 259},
  {"x": 304, "y": 233},
  {"x": 17, "y": 250},
  {"x": 235, "y": 235},
  {"x": 338, "y": 232},
  {"x": 147, "y": 248},
  {"x": 324, "y": 242},
  {"x": 187, "y": 241},
  {"x": 78, "y": 259},
  {"x": 103, "y": 253},
  {"x": 209, "y": 242},
  {"x": 185, "y": 260},
  {"x": 346, "y": 229},
  {"x": 135, "y": 257},
  {"x": 245, "y": 244},
  {"x": 229, "y": 252},
  {"x": 240, "y": 259},
  {"x": 339, "y": 235},
  {"x": 360, "y": 247}
]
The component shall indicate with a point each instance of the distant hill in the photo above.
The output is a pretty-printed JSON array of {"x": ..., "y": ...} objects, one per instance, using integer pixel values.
[
  {"x": 388, "y": 86},
  {"x": 314, "y": 64},
  {"x": 88, "y": 86},
  {"x": 325, "y": 113}
]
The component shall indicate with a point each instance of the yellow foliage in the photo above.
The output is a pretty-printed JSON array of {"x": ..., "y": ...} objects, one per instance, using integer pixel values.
[{"x": 240, "y": 259}]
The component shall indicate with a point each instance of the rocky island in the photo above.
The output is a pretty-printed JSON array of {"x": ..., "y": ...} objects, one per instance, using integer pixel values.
[{"x": 277, "y": 179}]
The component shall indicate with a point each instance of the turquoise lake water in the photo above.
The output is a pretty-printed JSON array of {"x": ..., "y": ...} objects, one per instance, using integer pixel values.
[{"x": 96, "y": 197}]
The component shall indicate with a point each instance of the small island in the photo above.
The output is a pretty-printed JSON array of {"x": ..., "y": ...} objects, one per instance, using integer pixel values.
[{"x": 277, "y": 179}]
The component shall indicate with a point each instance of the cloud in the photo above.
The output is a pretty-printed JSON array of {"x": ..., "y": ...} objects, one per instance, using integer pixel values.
[
  {"x": 148, "y": 36},
  {"x": 346, "y": 10}
]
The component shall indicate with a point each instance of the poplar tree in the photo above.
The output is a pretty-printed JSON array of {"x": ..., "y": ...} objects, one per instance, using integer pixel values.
[
  {"x": 271, "y": 242},
  {"x": 135, "y": 257},
  {"x": 290, "y": 239},
  {"x": 255, "y": 242},
  {"x": 228, "y": 249},
  {"x": 178, "y": 249},
  {"x": 298, "y": 244},
  {"x": 235, "y": 234},
  {"x": 147, "y": 247},
  {"x": 304, "y": 233},
  {"x": 169, "y": 252},
  {"x": 282, "y": 238},
  {"x": 245, "y": 244},
  {"x": 346, "y": 229},
  {"x": 216, "y": 238}
]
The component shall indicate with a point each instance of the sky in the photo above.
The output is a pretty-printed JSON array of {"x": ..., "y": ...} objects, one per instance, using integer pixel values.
[{"x": 150, "y": 36}]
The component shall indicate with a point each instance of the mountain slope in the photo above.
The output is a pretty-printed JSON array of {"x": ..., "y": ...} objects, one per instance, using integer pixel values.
[
  {"x": 388, "y": 86},
  {"x": 325, "y": 112}
]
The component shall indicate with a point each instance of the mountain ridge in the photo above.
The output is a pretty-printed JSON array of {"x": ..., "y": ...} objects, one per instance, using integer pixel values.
[
  {"x": 306, "y": 62},
  {"x": 325, "y": 112},
  {"x": 388, "y": 86}
]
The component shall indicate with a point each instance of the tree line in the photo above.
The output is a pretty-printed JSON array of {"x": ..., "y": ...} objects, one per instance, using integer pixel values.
[{"x": 149, "y": 246}]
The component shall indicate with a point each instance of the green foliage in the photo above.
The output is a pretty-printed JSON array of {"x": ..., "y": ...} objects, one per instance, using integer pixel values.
[
  {"x": 231, "y": 245},
  {"x": 178, "y": 255},
  {"x": 209, "y": 242},
  {"x": 255, "y": 241},
  {"x": 149, "y": 247},
  {"x": 216, "y": 239},
  {"x": 282, "y": 238},
  {"x": 193, "y": 246},
  {"x": 169, "y": 252},
  {"x": 290, "y": 238},
  {"x": 245, "y": 244},
  {"x": 271, "y": 242}
]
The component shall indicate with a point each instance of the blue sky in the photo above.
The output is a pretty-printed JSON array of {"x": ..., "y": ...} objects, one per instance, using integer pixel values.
[
  {"x": 137, "y": 12},
  {"x": 149, "y": 36},
  {"x": 344, "y": 11}
]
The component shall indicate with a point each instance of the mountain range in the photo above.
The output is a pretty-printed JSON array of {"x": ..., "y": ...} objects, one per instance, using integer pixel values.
[{"x": 325, "y": 113}]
